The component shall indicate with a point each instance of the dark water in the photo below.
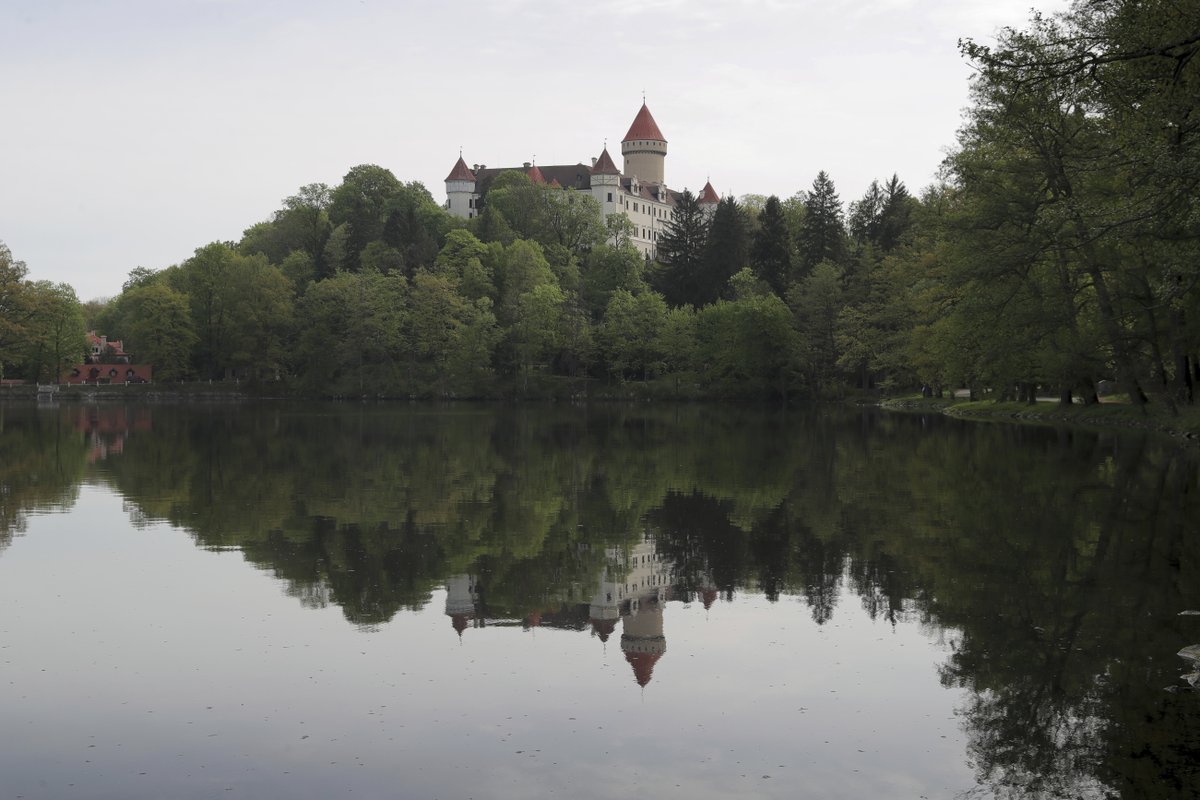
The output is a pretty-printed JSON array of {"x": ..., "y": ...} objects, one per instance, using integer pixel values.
[{"x": 687, "y": 603}]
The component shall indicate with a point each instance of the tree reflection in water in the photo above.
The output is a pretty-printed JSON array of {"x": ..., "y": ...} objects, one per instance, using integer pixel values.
[{"x": 1053, "y": 563}]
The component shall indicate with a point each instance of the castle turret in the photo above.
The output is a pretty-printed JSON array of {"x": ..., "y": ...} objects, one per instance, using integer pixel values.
[
  {"x": 460, "y": 601},
  {"x": 642, "y": 640},
  {"x": 644, "y": 148},
  {"x": 708, "y": 199},
  {"x": 460, "y": 190},
  {"x": 606, "y": 183}
]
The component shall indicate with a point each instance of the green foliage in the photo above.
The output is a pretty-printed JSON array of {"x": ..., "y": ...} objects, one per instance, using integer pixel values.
[
  {"x": 726, "y": 251},
  {"x": 54, "y": 336},
  {"x": 680, "y": 254},
  {"x": 748, "y": 347},
  {"x": 157, "y": 325},
  {"x": 818, "y": 301},
  {"x": 15, "y": 309},
  {"x": 360, "y": 202},
  {"x": 631, "y": 336},
  {"x": 608, "y": 269},
  {"x": 771, "y": 252},
  {"x": 821, "y": 234},
  {"x": 351, "y": 328}
]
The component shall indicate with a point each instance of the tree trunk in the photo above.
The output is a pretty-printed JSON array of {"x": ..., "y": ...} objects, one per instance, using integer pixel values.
[{"x": 1126, "y": 376}]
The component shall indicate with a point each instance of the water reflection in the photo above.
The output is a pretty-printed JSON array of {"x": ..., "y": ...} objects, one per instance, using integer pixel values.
[
  {"x": 633, "y": 590},
  {"x": 1053, "y": 564}
]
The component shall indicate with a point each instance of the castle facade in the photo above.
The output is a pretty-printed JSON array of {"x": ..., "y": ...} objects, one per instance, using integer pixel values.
[{"x": 639, "y": 191}]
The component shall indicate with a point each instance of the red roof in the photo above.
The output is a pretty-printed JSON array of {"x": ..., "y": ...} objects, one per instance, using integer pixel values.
[
  {"x": 604, "y": 165},
  {"x": 644, "y": 127},
  {"x": 603, "y": 627},
  {"x": 708, "y": 194},
  {"x": 643, "y": 665},
  {"x": 554, "y": 184},
  {"x": 536, "y": 175},
  {"x": 461, "y": 172}
]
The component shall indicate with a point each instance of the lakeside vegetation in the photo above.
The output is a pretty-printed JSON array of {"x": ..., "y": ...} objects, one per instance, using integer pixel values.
[{"x": 1061, "y": 248}]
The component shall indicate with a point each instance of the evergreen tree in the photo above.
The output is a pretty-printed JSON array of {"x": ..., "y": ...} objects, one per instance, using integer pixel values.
[
  {"x": 821, "y": 232},
  {"x": 771, "y": 253},
  {"x": 681, "y": 250},
  {"x": 864, "y": 215},
  {"x": 727, "y": 251},
  {"x": 895, "y": 216}
]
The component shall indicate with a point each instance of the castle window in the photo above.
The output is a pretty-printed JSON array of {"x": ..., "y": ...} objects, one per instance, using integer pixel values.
[{"x": 610, "y": 197}]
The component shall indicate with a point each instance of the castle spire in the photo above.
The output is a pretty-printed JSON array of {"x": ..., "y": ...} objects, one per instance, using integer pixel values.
[
  {"x": 461, "y": 171},
  {"x": 644, "y": 127},
  {"x": 644, "y": 148}
]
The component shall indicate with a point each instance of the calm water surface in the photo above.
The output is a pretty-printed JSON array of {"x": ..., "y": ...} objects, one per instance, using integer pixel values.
[{"x": 607, "y": 603}]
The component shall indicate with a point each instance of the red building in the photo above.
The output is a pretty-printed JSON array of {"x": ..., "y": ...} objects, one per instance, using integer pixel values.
[{"x": 107, "y": 362}]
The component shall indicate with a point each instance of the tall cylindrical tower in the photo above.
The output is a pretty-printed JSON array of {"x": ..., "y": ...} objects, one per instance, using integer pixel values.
[{"x": 644, "y": 148}]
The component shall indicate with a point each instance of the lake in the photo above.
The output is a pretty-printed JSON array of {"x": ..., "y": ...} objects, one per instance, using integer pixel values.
[{"x": 607, "y": 602}]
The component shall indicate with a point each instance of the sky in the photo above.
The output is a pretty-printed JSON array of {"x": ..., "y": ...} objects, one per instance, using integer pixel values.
[{"x": 136, "y": 131}]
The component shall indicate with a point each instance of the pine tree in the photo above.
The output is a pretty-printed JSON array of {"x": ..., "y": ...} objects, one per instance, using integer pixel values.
[
  {"x": 771, "y": 253},
  {"x": 821, "y": 233},
  {"x": 895, "y": 217},
  {"x": 727, "y": 251},
  {"x": 680, "y": 251}
]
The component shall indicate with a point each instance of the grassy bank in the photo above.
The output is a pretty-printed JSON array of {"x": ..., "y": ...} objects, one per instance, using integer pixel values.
[{"x": 1154, "y": 417}]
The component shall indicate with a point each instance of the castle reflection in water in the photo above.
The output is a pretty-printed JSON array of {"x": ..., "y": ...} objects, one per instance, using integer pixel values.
[{"x": 634, "y": 589}]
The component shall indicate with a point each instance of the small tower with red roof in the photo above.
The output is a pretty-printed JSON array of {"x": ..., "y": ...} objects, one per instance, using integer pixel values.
[
  {"x": 460, "y": 190},
  {"x": 606, "y": 183},
  {"x": 644, "y": 148},
  {"x": 708, "y": 200}
]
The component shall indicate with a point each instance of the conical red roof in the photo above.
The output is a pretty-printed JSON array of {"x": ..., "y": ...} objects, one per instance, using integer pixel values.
[
  {"x": 604, "y": 165},
  {"x": 461, "y": 172},
  {"x": 554, "y": 184},
  {"x": 536, "y": 175},
  {"x": 603, "y": 627},
  {"x": 643, "y": 665},
  {"x": 708, "y": 194},
  {"x": 644, "y": 127}
]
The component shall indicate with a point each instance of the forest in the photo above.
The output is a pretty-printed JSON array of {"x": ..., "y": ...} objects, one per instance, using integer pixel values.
[{"x": 1058, "y": 249}]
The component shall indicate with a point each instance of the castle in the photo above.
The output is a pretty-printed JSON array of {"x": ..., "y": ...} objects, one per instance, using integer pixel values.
[{"x": 639, "y": 190}]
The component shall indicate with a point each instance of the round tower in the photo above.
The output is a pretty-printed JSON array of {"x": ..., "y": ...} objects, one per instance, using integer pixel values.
[
  {"x": 606, "y": 182},
  {"x": 644, "y": 148},
  {"x": 460, "y": 190}
]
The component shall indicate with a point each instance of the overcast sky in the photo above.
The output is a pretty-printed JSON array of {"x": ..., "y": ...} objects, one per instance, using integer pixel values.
[{"x": 136, "y": 131}]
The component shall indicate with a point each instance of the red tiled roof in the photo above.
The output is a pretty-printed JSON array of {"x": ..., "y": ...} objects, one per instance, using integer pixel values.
[
  {"x": 461, "y": 172},
  {"x": 604, "y": 165},
  {"x": 603, "y": 627},
  {"x": 708, "y": 194},
  {"x": 644, "y": 127},
  {"x": 536, "y": 175},
  {"x": 643, "y": 665},
  {"x": 554, "y": 184}
]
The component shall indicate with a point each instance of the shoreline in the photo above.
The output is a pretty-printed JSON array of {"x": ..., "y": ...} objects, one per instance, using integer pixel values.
[{"x": 1184, "y": 428}]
